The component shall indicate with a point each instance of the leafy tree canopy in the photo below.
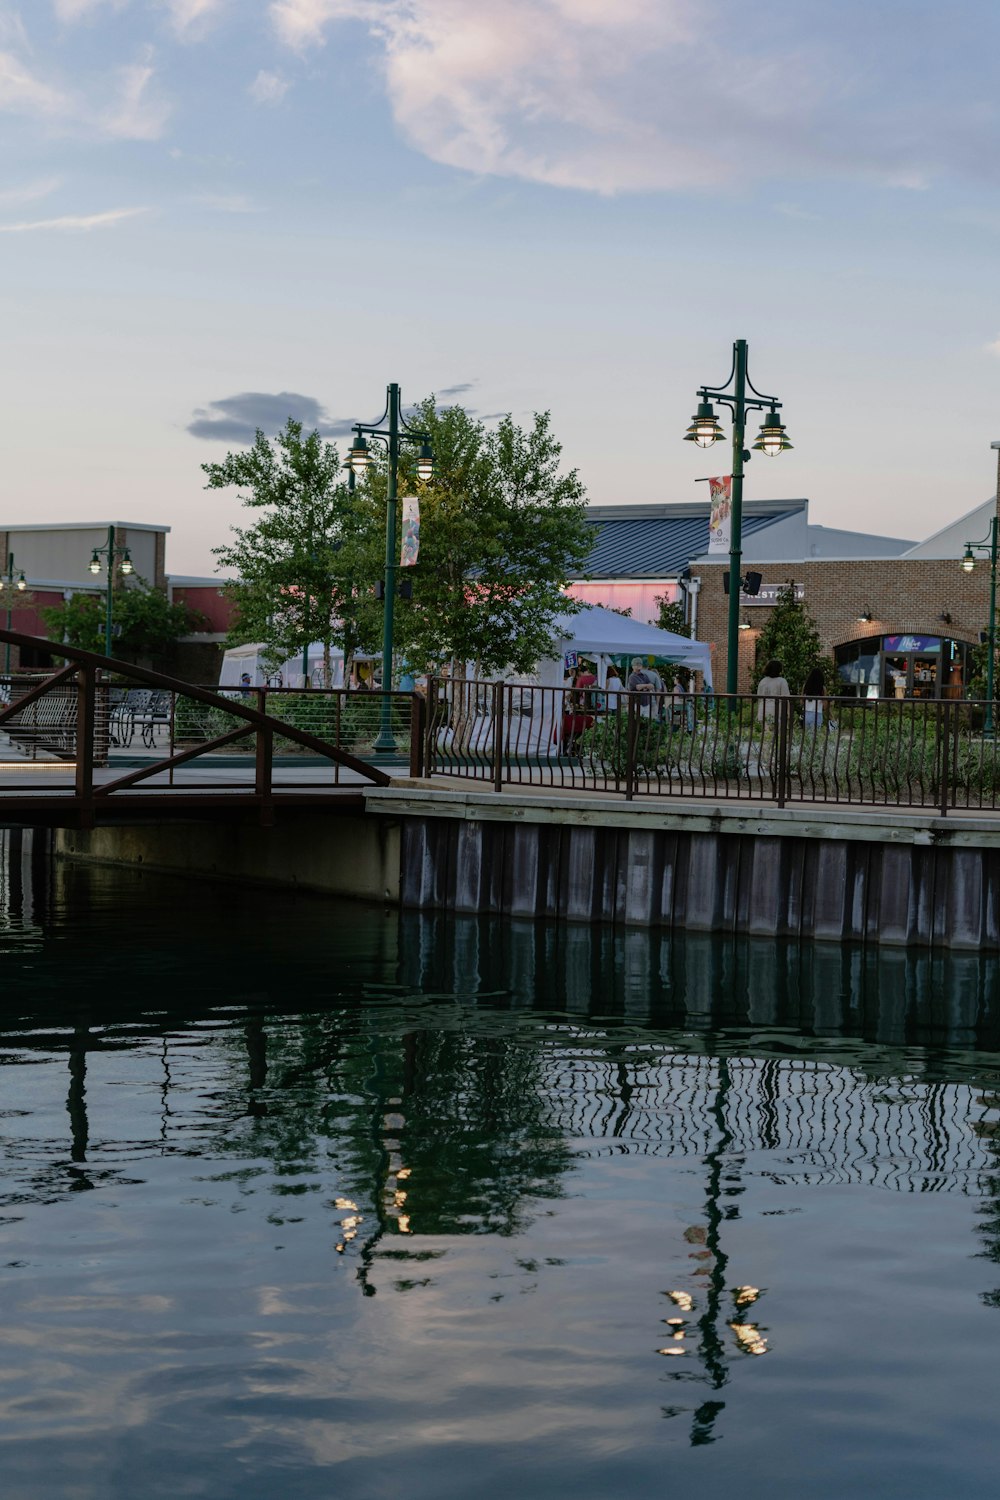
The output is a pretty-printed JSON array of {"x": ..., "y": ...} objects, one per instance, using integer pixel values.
[
  {"x": 149, "y": 624},
  {"x": 502, "y": 531},
  {"x": 791, "y": 636},
  {"x": 293, "y": 566}
]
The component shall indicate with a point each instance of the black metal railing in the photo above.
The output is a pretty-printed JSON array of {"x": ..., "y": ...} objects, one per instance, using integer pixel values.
[{"x": 877, "y": 752}]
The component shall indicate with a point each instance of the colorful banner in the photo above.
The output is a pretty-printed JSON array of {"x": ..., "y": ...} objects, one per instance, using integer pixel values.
[
  {"x": 721, "y": 493},
  {"x": 410, "y": 546}
]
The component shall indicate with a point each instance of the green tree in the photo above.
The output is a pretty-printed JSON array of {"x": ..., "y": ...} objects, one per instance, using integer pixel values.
[
  {"x": 671, "y": 616},
  {"x": 294, "y": 582},
  {"x": 502, "y": 531},
  {"x": 148, "y": 624},
  {"x": 791, "y": 636}
]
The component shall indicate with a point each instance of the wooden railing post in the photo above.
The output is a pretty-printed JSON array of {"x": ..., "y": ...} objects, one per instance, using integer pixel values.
[
  {"x": 943, "y": 748},
  {"x": 498, "y": 726},
  {"x": 782, "y": 768},
  {"x": 430, "y": 726},
  {"x": 85, "y": 715},
  {"x": 264, "y": 764},
  {"x": 631, "y": 741},
  {"x": 418, "y": 710}
]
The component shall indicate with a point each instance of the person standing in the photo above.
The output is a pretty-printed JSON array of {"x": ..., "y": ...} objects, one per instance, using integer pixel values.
[
  {"x": 771, "y": 687},
  {"x": 814, "y": 692}
]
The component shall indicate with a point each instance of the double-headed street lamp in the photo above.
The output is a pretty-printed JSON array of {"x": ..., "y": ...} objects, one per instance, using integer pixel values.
[
  {"x": 704, "y": 431},
  {"x": 393, "y": 435},
  {"x": 8, "y": 584},
  {"x": 114, "y": 554}
]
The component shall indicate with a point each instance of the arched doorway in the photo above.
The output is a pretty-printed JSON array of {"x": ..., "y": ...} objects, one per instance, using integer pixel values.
[{"x": 909, "y": 665}]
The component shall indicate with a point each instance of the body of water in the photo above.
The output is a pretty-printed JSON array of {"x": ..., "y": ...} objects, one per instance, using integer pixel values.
[{"x": 303, "y": 1199}]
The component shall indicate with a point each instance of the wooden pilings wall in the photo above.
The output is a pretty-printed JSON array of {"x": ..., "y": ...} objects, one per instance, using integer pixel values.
[{"x": 831, "y": 888}]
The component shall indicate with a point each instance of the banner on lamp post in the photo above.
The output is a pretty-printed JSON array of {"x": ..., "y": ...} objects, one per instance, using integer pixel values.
[
  {"x": 720, "y": 520},
  {"x": 409, "y": 549}
]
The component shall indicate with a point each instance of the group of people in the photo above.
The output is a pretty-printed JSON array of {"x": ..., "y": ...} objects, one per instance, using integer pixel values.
[
  {"x": 585, "y": 700},
  {"x": 774, "y": 686}
]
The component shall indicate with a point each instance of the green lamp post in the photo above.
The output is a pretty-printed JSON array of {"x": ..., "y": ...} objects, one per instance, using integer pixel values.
[
  {"x": 705, "y": 430},
  {"x": 987, "y": 547},
  {"x": 393, "y": 435},
  {"x": 114, "y": 554},
  {"x": 8, "y": 587}
]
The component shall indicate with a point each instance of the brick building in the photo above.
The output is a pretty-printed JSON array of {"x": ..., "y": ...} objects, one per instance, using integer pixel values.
[{"x": 896, "y": 626}]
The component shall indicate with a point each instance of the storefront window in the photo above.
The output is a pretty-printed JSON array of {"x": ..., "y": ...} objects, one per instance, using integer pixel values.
[{"x": 903, "y": 666}]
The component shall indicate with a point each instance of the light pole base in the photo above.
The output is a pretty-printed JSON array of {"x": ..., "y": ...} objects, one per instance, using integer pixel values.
[{"x": 385, "y": 744}]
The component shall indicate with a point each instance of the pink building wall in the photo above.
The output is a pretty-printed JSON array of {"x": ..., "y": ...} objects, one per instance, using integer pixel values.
[{"x": 638, "y": 595}]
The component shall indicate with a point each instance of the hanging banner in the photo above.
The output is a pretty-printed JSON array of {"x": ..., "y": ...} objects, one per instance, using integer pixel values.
[
  {"x": 410, "y": 546},
  {"x": 721, "y": 492}
]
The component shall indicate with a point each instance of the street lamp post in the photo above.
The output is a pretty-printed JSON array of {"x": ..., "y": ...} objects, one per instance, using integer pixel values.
[
  {"x": 114, "y": 554},
  {"x": 393, "y": 436},
  {"x": 704, "y": 431},
  {"x": 988, "y": 547},
  {"x": 8, "y": 587}
]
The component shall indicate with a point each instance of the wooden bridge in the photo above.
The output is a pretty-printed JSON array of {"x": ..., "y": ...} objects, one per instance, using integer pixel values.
[{"x": 99, "y": 742}]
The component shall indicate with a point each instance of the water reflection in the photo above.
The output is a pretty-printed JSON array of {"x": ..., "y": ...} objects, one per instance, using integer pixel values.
[{"x": 662, "y": 1158}]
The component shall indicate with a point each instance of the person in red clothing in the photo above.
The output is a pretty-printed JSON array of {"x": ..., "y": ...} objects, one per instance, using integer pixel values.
[{"x": 579, "y": 712}]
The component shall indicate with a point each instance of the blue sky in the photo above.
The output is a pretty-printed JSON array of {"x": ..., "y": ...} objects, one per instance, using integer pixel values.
[{"x": 206, "y": 205}]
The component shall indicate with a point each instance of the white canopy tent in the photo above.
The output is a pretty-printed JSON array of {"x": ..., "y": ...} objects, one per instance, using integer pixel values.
[
  {"x": 534, "y": 722},
  {"x": 601, "y": 635},
  {"x": 244, "y": 666}
]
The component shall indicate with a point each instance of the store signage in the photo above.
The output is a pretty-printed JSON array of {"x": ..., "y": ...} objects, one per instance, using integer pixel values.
[
  {"x": 911, "y": 643},
  {"x": 570, "y": 660},
  {"x": 771, "y": 592}
]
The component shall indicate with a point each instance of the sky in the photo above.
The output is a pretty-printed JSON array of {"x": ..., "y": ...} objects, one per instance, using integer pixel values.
[{"x": 218, "y": 213}]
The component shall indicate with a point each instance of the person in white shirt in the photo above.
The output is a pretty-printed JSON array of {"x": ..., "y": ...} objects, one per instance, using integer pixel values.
[{"x": 771, "y": 687}]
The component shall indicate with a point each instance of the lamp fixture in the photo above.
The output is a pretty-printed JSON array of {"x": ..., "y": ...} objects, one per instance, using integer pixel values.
[
  {"x": 126, "y": 563},
  {"x": 772, "y": 439},
  {"x": 865, "y": 618},
  {"x": 22, "y": 582},
  {"x": 95, "y": 563},
  {"x": 360, "y": 455},
  {"x": 944, "y": 617},
  {"x": 705, "y": 429},
  {"x": 425, "y": 463},
  {"x": 968, "y": 561}
]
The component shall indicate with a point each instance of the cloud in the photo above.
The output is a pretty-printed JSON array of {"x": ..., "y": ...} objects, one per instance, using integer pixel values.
[
  {"x": 268, "y": 88},
  {"x": 227, "y": 203},
  {"x": 235, "y": 419},
  {"x": 993, "y": 347},
  {"x": 30, "y": 192},
  {"x": 76, "y": 221},
  {"x": 21, "y": 92},
  {"x": 188, "y": 14},
  {"x": 645, "y": 96},
  {"x": 79, "y": 10},
  {"x": 137, "y": 114},
  {"x": 457, "y": 390}
]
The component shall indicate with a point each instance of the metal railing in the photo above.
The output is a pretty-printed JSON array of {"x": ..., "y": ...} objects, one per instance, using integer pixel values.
[
  {"x": 877, "y": 752},
  {"x": 96, "y": 729}
]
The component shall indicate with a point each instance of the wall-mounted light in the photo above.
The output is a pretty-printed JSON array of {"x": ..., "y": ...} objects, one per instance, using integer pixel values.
[
  {"x": 944, "y": 617},
  {"x": 865, "y": 618}
]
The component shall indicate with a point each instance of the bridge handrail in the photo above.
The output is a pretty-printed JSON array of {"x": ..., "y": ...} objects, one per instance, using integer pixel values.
[{"x": 92, "y": 661}]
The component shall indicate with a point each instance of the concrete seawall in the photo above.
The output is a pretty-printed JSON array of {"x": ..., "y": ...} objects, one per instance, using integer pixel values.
[
  {"x": 340, "y": 854},
  {"x": 888, "y": 878}
]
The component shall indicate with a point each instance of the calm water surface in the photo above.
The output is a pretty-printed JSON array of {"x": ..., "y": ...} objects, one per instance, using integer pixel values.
[{"x": 308, "y": 1200}]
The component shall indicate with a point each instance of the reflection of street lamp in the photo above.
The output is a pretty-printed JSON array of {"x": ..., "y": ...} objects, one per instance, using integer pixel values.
[
  {"x": 772, "y": 440},
  {"x": 9, "y": 585},
  {"x": 988, "y": 547},
  {"x": 112, "y": 552},
  {"x": 359, "y": 458}
]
